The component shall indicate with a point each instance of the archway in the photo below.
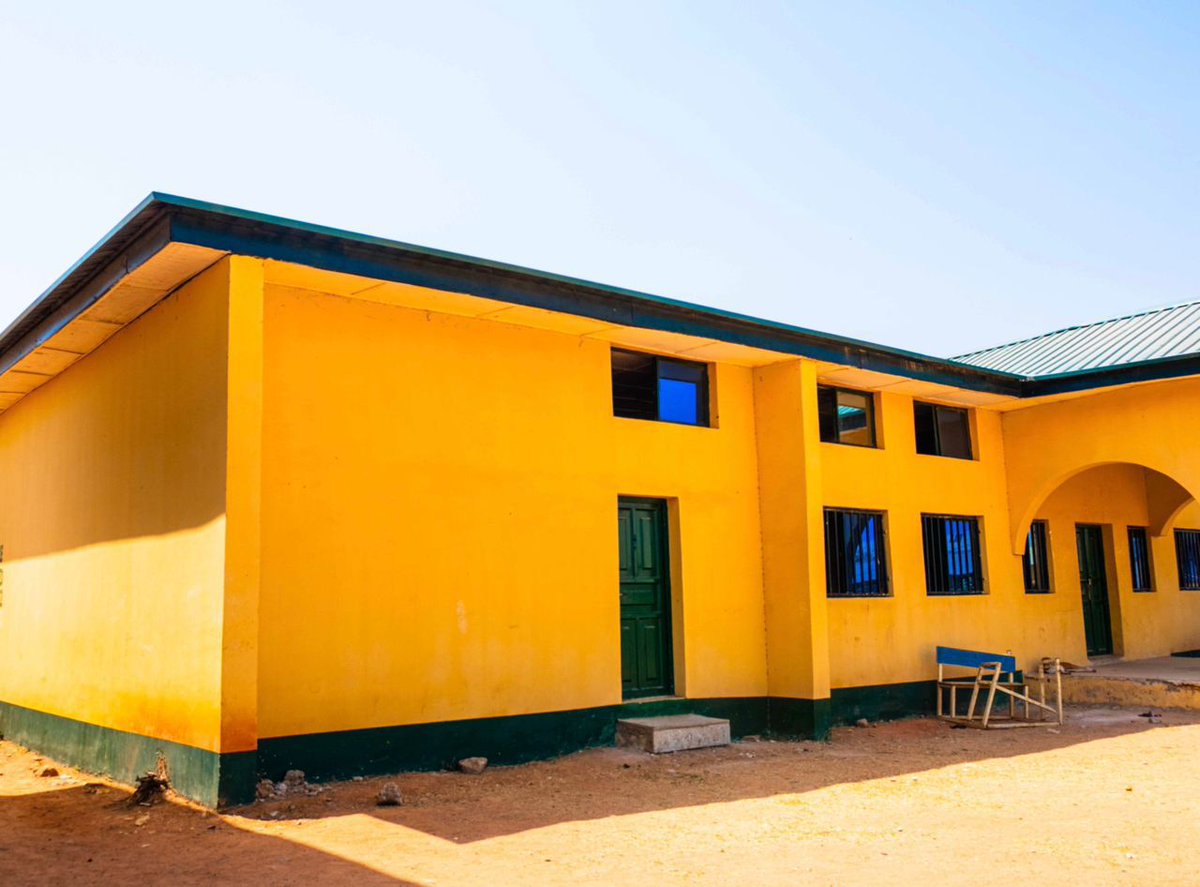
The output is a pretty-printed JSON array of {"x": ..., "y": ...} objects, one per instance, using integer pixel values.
[{"x": 1166, "y": 497}]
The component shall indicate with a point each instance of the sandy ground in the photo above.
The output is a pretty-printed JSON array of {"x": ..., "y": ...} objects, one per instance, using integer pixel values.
[{"x": 1108, "y": 799}]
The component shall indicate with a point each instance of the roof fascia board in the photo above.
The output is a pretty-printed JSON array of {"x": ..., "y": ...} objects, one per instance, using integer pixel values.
[
  {"x": 1105, "y": 377},
  {"x": 265, "y": 237},
  {"x": 161, "y": 219}
]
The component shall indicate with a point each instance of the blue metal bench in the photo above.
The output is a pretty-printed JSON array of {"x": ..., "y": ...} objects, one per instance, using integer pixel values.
[{"x": 998, "y": 675}]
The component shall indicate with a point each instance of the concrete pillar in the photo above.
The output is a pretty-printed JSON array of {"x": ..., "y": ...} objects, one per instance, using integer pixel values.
[
  {"x": 790, "y": 501},
  {"x": 243, "y": 548}
]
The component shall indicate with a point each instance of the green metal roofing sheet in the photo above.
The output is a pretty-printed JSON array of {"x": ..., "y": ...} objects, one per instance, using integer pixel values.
[{"x": 1151, "y": 335}]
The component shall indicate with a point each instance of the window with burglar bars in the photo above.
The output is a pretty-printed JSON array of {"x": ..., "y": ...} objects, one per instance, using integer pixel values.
[
  {"x": 1187, "y": 554},
  {"x": 1139, "y": 559},
  {"x": 855, "y": 557},
  {"x": 1037, "y": 559},
  {"x": 953, "y": 561}
]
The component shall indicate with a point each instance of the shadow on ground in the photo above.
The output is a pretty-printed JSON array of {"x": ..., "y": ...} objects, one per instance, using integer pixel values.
[
  {"x": 602, "y": 783},
  {"x": 90, "y": 835},
  {"x": 53, "y": 834}
]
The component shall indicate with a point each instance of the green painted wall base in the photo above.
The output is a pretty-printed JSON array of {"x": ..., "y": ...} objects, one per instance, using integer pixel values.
[
  {"x": 204, "y": 776},
  {"x": 799, "y": 718},
  {"x": 883, "y": 702},
  {"x": 505, "y": 740},
  {"x": 220, "y": 780}
]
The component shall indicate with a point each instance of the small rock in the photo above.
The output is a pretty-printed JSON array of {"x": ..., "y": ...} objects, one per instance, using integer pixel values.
[
  {"x": 265, "y": 790},
  {"x": 862, "y": 722},
  {"x": 474, "y": 766},
  {"x": 48, "y": 771},
  {"x": 389, "y": 796},
  {"x": 142, "y": 820},
  {"x": 358, "y": 779},
  {"x": 753, "y": 737},
  {"x": 294, "y": 778}
]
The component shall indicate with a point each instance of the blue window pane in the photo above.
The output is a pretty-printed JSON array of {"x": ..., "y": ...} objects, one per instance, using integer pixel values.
[
  {"x": 960, "y": 555},
  {"x": 678, "y": 401},
  {"x": 866, "y": 562}
]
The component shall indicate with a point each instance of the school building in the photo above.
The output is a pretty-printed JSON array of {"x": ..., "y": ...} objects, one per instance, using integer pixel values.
[{"x": 283, "y": 496}]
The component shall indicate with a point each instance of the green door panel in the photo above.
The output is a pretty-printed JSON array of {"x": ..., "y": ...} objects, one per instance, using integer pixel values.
[
  {"x": 1093, "y": 584},
  {"x": 629, "y": 656},
  {"x": 646, "y": 656}
]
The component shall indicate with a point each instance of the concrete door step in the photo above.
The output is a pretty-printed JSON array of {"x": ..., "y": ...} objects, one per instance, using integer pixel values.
[{"x": 672, "y": 733}]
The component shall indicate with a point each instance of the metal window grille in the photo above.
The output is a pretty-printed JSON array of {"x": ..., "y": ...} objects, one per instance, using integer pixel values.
[
  {"x": 1139, "y": 559},
  {"x": 855, "y": 556},
  {"x": 1037, "y": 559},
  {"x": 1187, "y": 554},
  {"x": 953, "y": 561}
]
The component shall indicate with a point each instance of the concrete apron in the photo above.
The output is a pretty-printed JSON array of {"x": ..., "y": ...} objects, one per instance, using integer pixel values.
[{"x": 1166, "y": 682}]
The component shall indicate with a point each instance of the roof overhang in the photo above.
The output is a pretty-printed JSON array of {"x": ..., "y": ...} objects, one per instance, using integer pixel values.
[{"x": 167, "y": 240}]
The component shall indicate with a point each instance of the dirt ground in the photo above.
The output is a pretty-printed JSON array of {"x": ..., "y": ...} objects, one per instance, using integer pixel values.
[{"x": 1108, "y": 799}]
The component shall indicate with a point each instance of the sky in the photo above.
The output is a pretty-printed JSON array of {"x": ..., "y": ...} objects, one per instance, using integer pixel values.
[{"x": 939, "y": 177}]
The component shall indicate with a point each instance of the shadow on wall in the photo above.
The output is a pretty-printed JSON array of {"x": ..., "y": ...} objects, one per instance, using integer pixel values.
[{"x": 128, "y": 443}]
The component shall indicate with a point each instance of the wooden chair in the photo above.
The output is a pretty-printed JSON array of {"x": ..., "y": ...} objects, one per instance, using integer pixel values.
[{"x": 998, "y": 676}]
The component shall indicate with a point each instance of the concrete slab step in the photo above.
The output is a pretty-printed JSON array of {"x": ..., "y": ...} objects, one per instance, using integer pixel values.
[{"x": 672, "y": 733}]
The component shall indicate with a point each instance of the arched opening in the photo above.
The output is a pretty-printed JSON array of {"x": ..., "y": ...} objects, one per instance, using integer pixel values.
[
  {"x": 1165, "y": 498},
  {"x": 1106, "y": 525}
]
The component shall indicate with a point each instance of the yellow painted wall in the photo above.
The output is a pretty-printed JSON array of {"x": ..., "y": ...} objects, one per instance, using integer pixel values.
[
  {"x": 790, "y": 496},
  {"x": 262, "y": 511},
  {"x": 889, "y": 640},
  {"x": 439, "y": 521},
  {"x": 1153, "y": 425},
  {"x": 1082, "y": 460},
  {"x": 1180, "y": 609},
  {"x": 1144, "y": 624},
  {"x": 892, "y": 640},
  {"x": 112, "y": 484}
]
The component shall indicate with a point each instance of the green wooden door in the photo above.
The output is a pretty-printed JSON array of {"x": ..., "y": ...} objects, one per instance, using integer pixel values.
[
  {"x": 1097, "y": 625},
  {"x": 646, "y": 659}
]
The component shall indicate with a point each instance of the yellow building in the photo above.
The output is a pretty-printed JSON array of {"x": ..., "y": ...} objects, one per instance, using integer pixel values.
[{"x": 281, "y": 496}]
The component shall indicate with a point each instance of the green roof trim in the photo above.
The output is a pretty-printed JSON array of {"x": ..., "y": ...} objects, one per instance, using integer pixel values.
[{"x": 164, "y": 218}]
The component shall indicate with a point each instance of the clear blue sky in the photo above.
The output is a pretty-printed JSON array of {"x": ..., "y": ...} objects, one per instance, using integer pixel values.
[{"x": 936, "y": 176}]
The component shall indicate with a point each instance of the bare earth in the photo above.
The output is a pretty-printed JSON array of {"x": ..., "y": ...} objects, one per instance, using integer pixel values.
[{"x": 1108, "y": 799}]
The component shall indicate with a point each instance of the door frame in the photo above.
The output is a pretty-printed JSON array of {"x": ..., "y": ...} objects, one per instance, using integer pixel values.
[{"x": 668, "y": 551}]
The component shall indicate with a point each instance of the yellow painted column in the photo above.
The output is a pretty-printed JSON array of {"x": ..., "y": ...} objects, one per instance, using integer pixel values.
[
  {"x": 789, "y": 479},
  {"x": 243, "y": 549}
]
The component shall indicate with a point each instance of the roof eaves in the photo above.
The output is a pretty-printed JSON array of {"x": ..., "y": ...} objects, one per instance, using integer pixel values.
[
  {"x": 135, "y": 239},
  {"x": 272, "y": 237}
]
